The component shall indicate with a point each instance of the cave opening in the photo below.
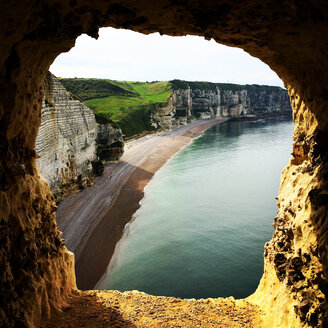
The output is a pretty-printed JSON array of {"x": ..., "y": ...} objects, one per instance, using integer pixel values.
[
  {"x": 217, "y": 104},
  {"x": 290, "y": 38}
]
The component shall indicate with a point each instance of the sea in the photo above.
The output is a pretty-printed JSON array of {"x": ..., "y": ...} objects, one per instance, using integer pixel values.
[{"x": 206, "y": 215}]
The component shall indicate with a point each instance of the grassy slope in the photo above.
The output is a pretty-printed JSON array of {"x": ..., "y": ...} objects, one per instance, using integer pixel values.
[
  {"x": 128, "y": 104},
  {"x": 131, "y": 113},
  {"x": 143, "y": 94},
  {"x": 86, "y": 89}
]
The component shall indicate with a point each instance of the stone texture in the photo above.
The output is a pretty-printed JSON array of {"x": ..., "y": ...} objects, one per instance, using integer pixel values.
[
  {"x": 135, "y": 309},
  {"x": 186, "y": 105},
  {"x": 296, "y": 257},
  {"x": 70, "y": 141},
  {"x": 291, "y": 37},
  {"x": 109, "y": 143},
  {"x": 66, "y": 141}
]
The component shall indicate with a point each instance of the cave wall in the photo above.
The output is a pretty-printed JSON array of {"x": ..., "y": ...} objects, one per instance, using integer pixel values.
[
  {"x": 36, "y": 271},
  {"x": 295, "y": 260}
]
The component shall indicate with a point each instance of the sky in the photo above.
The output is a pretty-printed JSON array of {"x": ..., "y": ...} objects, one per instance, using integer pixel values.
[{"x": 126, "y": 55}]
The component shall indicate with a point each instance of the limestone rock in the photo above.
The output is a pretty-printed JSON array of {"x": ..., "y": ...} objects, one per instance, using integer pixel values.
[
  {"x": 109, "y": 143},
  {"x": 70, "y": 140},
  {"x": 201, "y": 100}
]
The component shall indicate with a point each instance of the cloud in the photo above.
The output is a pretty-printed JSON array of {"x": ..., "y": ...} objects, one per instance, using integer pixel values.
[{"x": 127, "y": 55}]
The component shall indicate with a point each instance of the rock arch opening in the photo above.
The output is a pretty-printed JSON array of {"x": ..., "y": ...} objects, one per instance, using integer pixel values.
[
  {"x": 36, "y": 263},
  {"x": 189, "y": 101}
]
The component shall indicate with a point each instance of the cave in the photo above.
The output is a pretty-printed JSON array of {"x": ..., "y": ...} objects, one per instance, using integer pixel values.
[{"x": 37, "y": 272}]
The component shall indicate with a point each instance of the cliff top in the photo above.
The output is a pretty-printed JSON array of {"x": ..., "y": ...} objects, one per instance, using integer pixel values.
[
  {"x": 130, "y": 104},
  {"x": 126, "y": 103},
  {"x": 87, "y": 89},
  {"x": 203, "y": 85},
  {"x": 143, "y": 92}
]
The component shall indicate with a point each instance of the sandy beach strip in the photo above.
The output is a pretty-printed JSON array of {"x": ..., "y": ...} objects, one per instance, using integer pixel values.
[{"x": 93, "y": 220}]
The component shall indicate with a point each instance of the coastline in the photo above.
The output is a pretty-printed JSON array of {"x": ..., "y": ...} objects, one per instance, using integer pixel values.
[{"x": 112, "y": 205}]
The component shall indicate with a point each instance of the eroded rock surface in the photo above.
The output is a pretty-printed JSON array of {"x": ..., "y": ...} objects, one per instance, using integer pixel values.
[
  {"x": 199, "y": 100},
  {"x": 109, "y": 143},
  {"x": 36, "y": 272},
  {"x": 71, "y": 145},
  {"x": 137, "y": 309},
  {"x": 296, "y": 257}
]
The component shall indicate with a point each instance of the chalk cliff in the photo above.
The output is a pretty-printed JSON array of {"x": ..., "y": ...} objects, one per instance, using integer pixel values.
[
  {"x": 195, "y": 100},
  {"x": 71, "y": 145}
]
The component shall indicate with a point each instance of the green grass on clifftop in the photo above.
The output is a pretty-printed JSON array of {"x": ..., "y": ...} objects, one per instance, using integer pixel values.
[
  {"x": 210, "y": 86},
  {"x": 129, "y": 104},
  {"x": 86, "y": 89},
  {"x": 132, "y": 112}
]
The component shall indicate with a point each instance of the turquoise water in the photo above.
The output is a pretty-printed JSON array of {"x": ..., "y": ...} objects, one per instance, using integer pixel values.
[{"x": 206, "y": 216}]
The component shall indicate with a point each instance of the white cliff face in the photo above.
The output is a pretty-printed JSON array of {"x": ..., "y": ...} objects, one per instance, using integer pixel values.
[
  {"x": 66, "y": 142},
  {"x": 233, "y": 103},
  {"x": 186, "y": 105}
]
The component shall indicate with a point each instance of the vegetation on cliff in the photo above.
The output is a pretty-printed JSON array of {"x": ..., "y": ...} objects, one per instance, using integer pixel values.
[
  {"x": 207, "y": 86},
  {"x": 131, "y": 104},
  {"x": 210, "y": 86},
  {"x": 86, "y": 89}
]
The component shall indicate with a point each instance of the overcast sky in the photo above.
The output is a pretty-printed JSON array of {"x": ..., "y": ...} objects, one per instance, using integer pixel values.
[{"x": 131, "y": 56}]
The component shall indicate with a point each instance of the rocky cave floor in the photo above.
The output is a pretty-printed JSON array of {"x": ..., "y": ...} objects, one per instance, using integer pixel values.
[{"x": 137, "y": 309}]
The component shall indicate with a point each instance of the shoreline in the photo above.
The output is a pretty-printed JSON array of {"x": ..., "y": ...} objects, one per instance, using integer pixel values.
[{"x": 112, "y": 205}]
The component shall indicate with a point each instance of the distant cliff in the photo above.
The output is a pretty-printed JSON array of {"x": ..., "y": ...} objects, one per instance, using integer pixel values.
[
  {"x": 71, "y": 145},
  {"x": 198, "y": 100},
  {"x": 138, "y": 107}
]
